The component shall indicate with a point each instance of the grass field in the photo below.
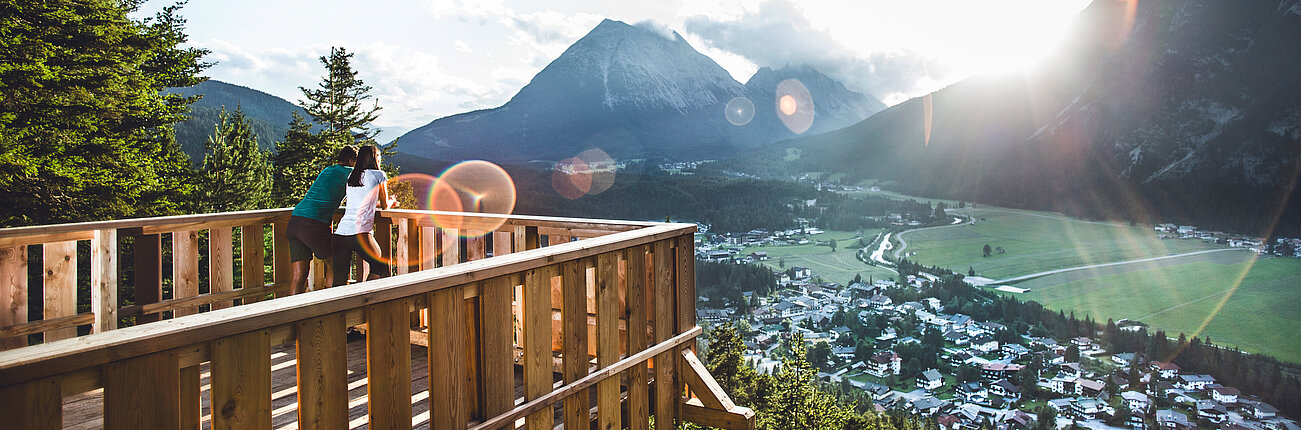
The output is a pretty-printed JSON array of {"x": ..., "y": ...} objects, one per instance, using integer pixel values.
[
  {"x": 839, "y": 266},
  {"x": 1035, "y": 242},
  {"x": 1203, "y": 297}
]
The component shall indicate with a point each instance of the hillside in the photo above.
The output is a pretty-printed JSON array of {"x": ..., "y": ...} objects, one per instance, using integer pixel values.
[
  {"x": 1183, "y": 117},
  {"x": 268, "y": 115}
]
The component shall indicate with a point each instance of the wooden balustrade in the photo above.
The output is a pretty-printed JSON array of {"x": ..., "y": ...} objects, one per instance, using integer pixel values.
[{"x": 602, "y": 327}]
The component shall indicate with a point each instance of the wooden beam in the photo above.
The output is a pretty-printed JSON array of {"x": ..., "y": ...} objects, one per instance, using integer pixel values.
[
  {"x": 537, "y": 342},
  {"x": 608, "y": 285},
  {"x": 638, "y": 394},
  {"x": 738, "y": 418},
  {"x": 322, "y": 356},
  {"x": 143, "y": 393},
  {"x": 703, "y": 384},
  {"x": 41, "y": 361},
  {"x": 53, "y": 324},
  {"x": 103, "y": 280},
  {"x": 185, "y": 268},
  {"x": 388, "y": 364},
  {"x": 60, "y": 296},
  {"x": 191, "y": 398},
  {"x": 281, "y": 266},
  {"x": 221, "y": 263},
  {"x": 544, "y": 402},
  {"x": 13, "y": 293},
  {"x": 574, "y": 314},
  {"x": 667, "y": 391},
  {"x": 498, "y": 346},
  {"x": 252, "y": 256},
  {"x": 36, "y": 405},
  {"x": 148, "y": 255},
  {"x": 241, "y": 381},
  {"x": 447, "y": 345}
]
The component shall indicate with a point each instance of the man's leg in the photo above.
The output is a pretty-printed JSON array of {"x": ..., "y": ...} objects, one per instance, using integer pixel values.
[{"x": 298, "y": 283}]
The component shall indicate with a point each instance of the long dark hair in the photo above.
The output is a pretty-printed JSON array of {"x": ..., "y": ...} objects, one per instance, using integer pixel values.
[{"x": 367, "y": 159}]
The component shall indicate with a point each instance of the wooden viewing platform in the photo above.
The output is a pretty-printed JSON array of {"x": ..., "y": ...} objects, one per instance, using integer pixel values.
[{"x": 503, "y": 322}]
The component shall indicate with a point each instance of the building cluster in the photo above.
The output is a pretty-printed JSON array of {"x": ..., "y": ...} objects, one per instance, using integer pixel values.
[{"x": 1092, "y": 391}]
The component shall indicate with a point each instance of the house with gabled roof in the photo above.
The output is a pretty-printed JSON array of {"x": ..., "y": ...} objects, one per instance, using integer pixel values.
[{"x": 930, "y": 380}]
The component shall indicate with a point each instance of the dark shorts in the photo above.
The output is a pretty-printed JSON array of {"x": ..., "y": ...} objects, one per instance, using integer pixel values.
[{"x": 307, "y": 237}]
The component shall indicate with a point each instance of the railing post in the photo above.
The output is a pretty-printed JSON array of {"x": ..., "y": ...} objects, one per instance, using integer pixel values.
[
  {"x": 322, "y": 355},
  {"x": 252, "y": 257},
  {"x": 143, "y": 393},
  {"x": 13, "y": 293},
  {"x": 60, "y": 286},
  {"x": 36, "y": 405},
  {"x": 221, "y": 263},
  {"x": 608, "y": 285},
  {"x": 498, "y": 346},
  {"x": 282, "y": 270},
  {"x": 148, "y": 269},
  {"x": 537, "y": 342},
  {"x": 185, "y": 268},
  {"x": 638, "y": 396},
  {"x": 103, "y": 280},
  {"x": 446, "y": 354},
  {"x": 388, "y": 364},
  {"x": 574, "y": 321},
  {"x": 241, "y": 381},
  {"x": 667, "y": 391}
]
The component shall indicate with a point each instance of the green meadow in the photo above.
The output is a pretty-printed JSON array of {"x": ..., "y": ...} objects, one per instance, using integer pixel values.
[
  {"x": 839, "y": 266},
  {"x": 1236, "y": 301},
  {"x": 1034, "y": 242}
]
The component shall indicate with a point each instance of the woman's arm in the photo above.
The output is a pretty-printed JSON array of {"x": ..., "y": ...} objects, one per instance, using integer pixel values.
[{"x": 385, "y": 201}]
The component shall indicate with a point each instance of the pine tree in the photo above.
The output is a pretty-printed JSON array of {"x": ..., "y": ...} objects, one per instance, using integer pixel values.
[
  {"x": 298, "y": 158},
  {"x": 85, "y": 130},
  {"x": 338, "y": 103},
  {"x": 236, "y": 174}
]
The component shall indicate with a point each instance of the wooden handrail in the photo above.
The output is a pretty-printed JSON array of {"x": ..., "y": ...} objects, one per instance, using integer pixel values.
[
  {"x": 471, "y": 312},
  {"x": 43, "y": 360}
]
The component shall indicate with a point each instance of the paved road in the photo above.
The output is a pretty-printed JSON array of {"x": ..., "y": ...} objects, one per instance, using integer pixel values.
[{"x": 1092, "y": 266}]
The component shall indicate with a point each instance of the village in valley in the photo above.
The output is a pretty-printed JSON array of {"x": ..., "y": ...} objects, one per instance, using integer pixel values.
[{"x": 906, "y": 351}]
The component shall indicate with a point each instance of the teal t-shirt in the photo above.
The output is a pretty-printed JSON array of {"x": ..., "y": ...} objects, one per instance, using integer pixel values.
[{"x": 327, "y": 191}]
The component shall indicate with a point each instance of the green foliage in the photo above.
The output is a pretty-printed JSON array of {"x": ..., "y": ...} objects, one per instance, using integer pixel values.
[
  {"x": 297, "y": 160},
  {"x": 338, "y": 101},
  {"x": 84, "y": 126},
  {"x": 236, "y": 174},
  {"x": 795, "y": 402}
]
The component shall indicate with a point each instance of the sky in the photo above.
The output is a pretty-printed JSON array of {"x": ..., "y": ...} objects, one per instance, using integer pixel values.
[{"x": 427, "y": 59}]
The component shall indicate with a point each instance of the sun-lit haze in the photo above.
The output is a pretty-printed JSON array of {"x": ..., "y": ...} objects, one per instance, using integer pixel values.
[{"x": 429, "y": 59}]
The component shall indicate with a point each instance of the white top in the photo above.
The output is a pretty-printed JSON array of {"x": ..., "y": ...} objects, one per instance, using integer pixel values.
[{"x": 359, "y": 206}]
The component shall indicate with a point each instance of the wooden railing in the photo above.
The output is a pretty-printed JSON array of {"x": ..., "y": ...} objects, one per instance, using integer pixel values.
[{"x": 611, "y": 314}]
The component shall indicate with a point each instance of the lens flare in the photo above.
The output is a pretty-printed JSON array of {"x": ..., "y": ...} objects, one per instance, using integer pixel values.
[
  {"x": 474, "y": 186},
  {"x": 571, "y": 178},
  {"x": 794, "y": 105},
  {"x": 739, "y": 111},
  {"x": 602, "y": 170},
  {"x": 926, "y": 119}
]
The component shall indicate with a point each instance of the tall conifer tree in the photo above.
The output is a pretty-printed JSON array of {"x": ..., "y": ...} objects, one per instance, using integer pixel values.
[
  {"x": 236, "y": 173},
  {"x": 85, "y": 132}
]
